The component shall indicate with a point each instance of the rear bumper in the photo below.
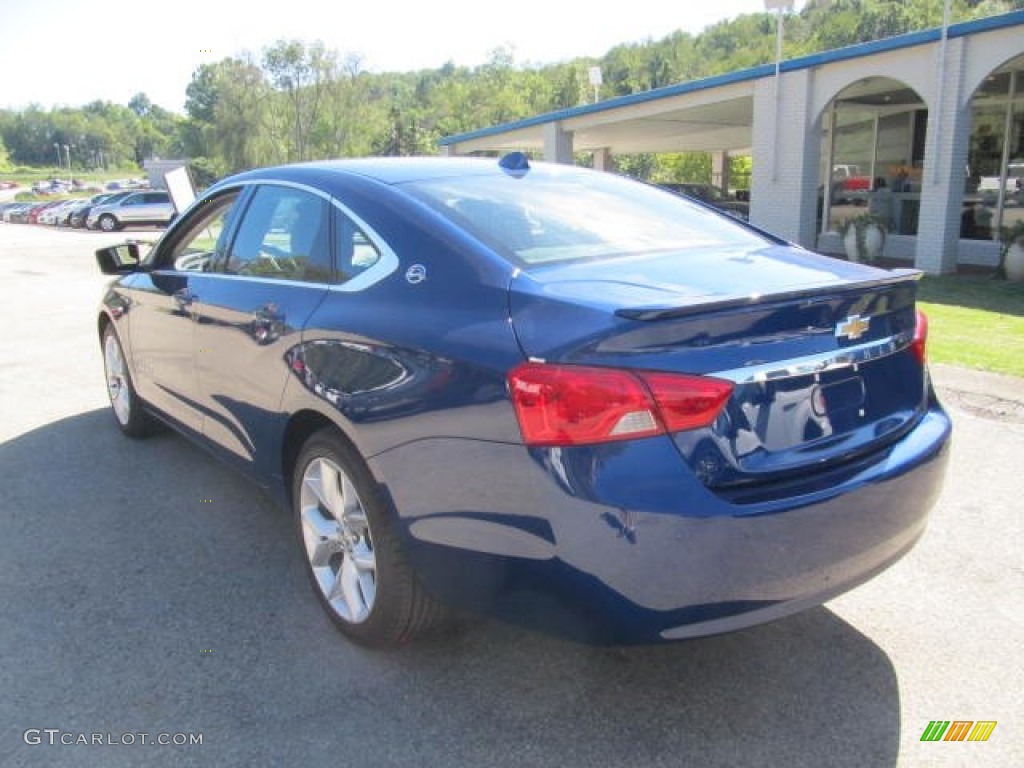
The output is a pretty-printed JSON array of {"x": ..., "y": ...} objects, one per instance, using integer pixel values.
[{"x": 621, "y": 543}]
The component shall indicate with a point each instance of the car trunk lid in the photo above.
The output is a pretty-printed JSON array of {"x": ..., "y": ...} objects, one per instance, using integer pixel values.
[{"x": 819, "y": 351}]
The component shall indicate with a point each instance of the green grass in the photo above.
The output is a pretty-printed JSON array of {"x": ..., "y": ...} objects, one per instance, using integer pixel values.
[{"x": 974, "y": 322}]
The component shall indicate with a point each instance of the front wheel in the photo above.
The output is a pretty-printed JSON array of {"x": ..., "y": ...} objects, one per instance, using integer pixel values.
[
  {"x": 355, "y": 561},
  {"x": 131, "y": 417}
]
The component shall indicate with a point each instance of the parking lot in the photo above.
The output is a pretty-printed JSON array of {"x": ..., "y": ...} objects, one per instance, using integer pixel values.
[{"x": 148, "y": 589}]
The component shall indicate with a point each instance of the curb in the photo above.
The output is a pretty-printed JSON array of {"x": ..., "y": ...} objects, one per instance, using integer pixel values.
[{"x": 987, "y": 395}]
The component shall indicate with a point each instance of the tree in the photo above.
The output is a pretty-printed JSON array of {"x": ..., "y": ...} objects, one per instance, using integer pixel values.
[
  {"x": 302, "y": 74},
  {"x": 140, "y": 104},
  {"x": 298, "y": 101}
]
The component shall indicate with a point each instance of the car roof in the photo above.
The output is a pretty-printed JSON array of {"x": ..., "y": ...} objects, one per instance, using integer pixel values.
[{"x": 389, "y": 170}]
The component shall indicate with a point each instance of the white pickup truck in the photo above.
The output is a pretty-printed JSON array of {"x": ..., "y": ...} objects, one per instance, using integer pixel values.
[{"x": 989, "y": 185}]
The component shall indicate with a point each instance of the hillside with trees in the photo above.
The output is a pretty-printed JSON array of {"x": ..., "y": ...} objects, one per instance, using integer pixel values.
[{"x": 297, "y": 100}]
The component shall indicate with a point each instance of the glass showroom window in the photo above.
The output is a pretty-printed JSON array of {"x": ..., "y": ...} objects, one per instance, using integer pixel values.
[
  {"x": 874, "y": 147},
  {"x": 994, "y": 190}
]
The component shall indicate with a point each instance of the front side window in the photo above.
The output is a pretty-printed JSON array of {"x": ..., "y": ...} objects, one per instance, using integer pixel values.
[
  {"x": 204, "y": 240},
  {"x": 284, "y": 235}
]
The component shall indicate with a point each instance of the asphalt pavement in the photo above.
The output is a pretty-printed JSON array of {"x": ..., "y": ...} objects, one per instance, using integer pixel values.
[{"x": 148, "y": 590}]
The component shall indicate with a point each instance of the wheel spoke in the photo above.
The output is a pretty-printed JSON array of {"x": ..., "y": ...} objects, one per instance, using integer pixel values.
[
  {"x": 352, "y": 509},
  {"x": 348, "y": 588},
  {"x": 322, "y": 537},
  {"x": 330, "y": 486},
  {"x": 364, "y": 559},
  {"x": 320, "y": 478},
  {"x": 113, "y": 363},
  {"x": 367, "y": 584}
]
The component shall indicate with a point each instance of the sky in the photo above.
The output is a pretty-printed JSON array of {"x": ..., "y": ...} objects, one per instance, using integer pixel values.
[{"x": 71, "y": 52}]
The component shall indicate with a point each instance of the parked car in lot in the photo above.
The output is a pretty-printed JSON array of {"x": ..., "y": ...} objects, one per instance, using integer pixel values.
[
  {"x": 45, "y": 215},
  {"x": 57, "y": 214},
  {"x": 14, "y": 212},
  {"x": 38, "y": 210},
  {"x": 713, "y": 196},
  {"x": 988, "y": 186},
  {"x": 850, "y": 185},
  {"x": 79, "y": 214},
  {"x": 8, "y": 209},
  {"x": 22, "y": 214},
  {"x": 644, "y": 425},
  {"x": 138, "y": 208}
]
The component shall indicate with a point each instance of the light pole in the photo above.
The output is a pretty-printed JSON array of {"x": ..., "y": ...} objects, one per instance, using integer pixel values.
[
  {"x": 594, "y": 76},
  {"x": 71, "y": 174},
  {"x": 56, "y": 148},
  {"x": 946, "y": 11},
  {"x": 780, "y": 7}
]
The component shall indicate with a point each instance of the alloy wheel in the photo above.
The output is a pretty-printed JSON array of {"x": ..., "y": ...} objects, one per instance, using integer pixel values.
[
  {"x": 117, "y": 379},
  {"x": 337, "y": 540}
]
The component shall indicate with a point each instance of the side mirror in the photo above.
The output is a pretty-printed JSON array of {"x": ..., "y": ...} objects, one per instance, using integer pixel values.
[{"x": 118, "y": 259}]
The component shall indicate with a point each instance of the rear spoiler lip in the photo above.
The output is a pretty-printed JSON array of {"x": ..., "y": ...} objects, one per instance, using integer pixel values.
[{"x": 648, "y": 314}]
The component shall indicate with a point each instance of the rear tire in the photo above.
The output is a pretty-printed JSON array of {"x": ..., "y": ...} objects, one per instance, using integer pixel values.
[{"x": 354, "y": 557}]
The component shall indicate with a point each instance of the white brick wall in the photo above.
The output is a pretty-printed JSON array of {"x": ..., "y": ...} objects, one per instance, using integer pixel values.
[
  {"x": 945, "y": 163},
  {"x": 557, "y": 144},
  {"x": 784, "y": 188},
  {"x": 784, "y": 185}
]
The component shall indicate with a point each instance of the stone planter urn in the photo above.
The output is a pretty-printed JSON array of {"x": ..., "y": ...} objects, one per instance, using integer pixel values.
[
  {"x": 1014, "y": 263},
  {"x": 863, "y": 239}
]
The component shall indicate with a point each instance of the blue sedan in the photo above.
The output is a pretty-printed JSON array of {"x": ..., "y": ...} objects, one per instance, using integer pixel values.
[{"x": 561, "y": 397}]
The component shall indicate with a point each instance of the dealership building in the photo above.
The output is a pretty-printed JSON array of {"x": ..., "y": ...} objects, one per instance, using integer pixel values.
[{"x": 932, "y": 122}]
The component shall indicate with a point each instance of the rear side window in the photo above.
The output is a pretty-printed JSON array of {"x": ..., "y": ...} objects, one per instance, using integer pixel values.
[
  {"x": 284, "y": 235},
  {"x": 355, "y": 251}
]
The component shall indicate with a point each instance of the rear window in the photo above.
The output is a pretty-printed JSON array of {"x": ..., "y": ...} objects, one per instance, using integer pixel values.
[{"x": 552, "y": 216}]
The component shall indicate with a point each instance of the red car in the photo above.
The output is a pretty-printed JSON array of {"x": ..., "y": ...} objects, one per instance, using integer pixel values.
[{"x": 33, "y": 214}]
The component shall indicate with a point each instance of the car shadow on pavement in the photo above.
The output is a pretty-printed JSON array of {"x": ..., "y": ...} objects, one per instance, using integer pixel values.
[{"x": 150, "y": 589}]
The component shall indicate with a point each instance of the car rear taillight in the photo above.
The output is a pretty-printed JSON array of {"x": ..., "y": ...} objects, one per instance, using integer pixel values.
[
  {"x": 579, "y": 405},
  {"x": 920, "y": 341}
]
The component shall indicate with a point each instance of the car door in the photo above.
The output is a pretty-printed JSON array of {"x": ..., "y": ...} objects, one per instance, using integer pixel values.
[
  {"x": 162, "y": 309},
  {"x": 144, "y": 207},
  {"x": 251, "y": 312},
  {"x": 131, "y": 209}
]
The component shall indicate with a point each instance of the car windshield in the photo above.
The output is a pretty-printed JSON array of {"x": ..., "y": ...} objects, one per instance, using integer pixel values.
[{"x": 553, "y": 216}]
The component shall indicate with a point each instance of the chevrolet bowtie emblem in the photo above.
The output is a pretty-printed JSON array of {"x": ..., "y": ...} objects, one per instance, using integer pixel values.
[{"x": 852, "y": 327}]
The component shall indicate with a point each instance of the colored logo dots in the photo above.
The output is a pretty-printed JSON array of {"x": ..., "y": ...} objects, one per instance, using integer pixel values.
[{"x": 959, "y": 730}]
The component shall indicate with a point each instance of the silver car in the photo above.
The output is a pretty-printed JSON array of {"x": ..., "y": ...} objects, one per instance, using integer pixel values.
[{"x": 149, "y": 207}]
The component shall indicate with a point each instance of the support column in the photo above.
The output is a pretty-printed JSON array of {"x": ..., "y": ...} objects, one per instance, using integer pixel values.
[
  {"x": 449, "y": 150},
  {"x": 784, "y": 185},
  {"x": 557, "y": 144},
  {"x": 720, "y": 170},
  {"x": 603, "y": 160},
  {"x": 945, "y": 163}
]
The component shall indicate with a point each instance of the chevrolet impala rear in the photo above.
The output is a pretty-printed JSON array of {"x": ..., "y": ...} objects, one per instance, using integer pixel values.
[{"x": 717, "y": 428}]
